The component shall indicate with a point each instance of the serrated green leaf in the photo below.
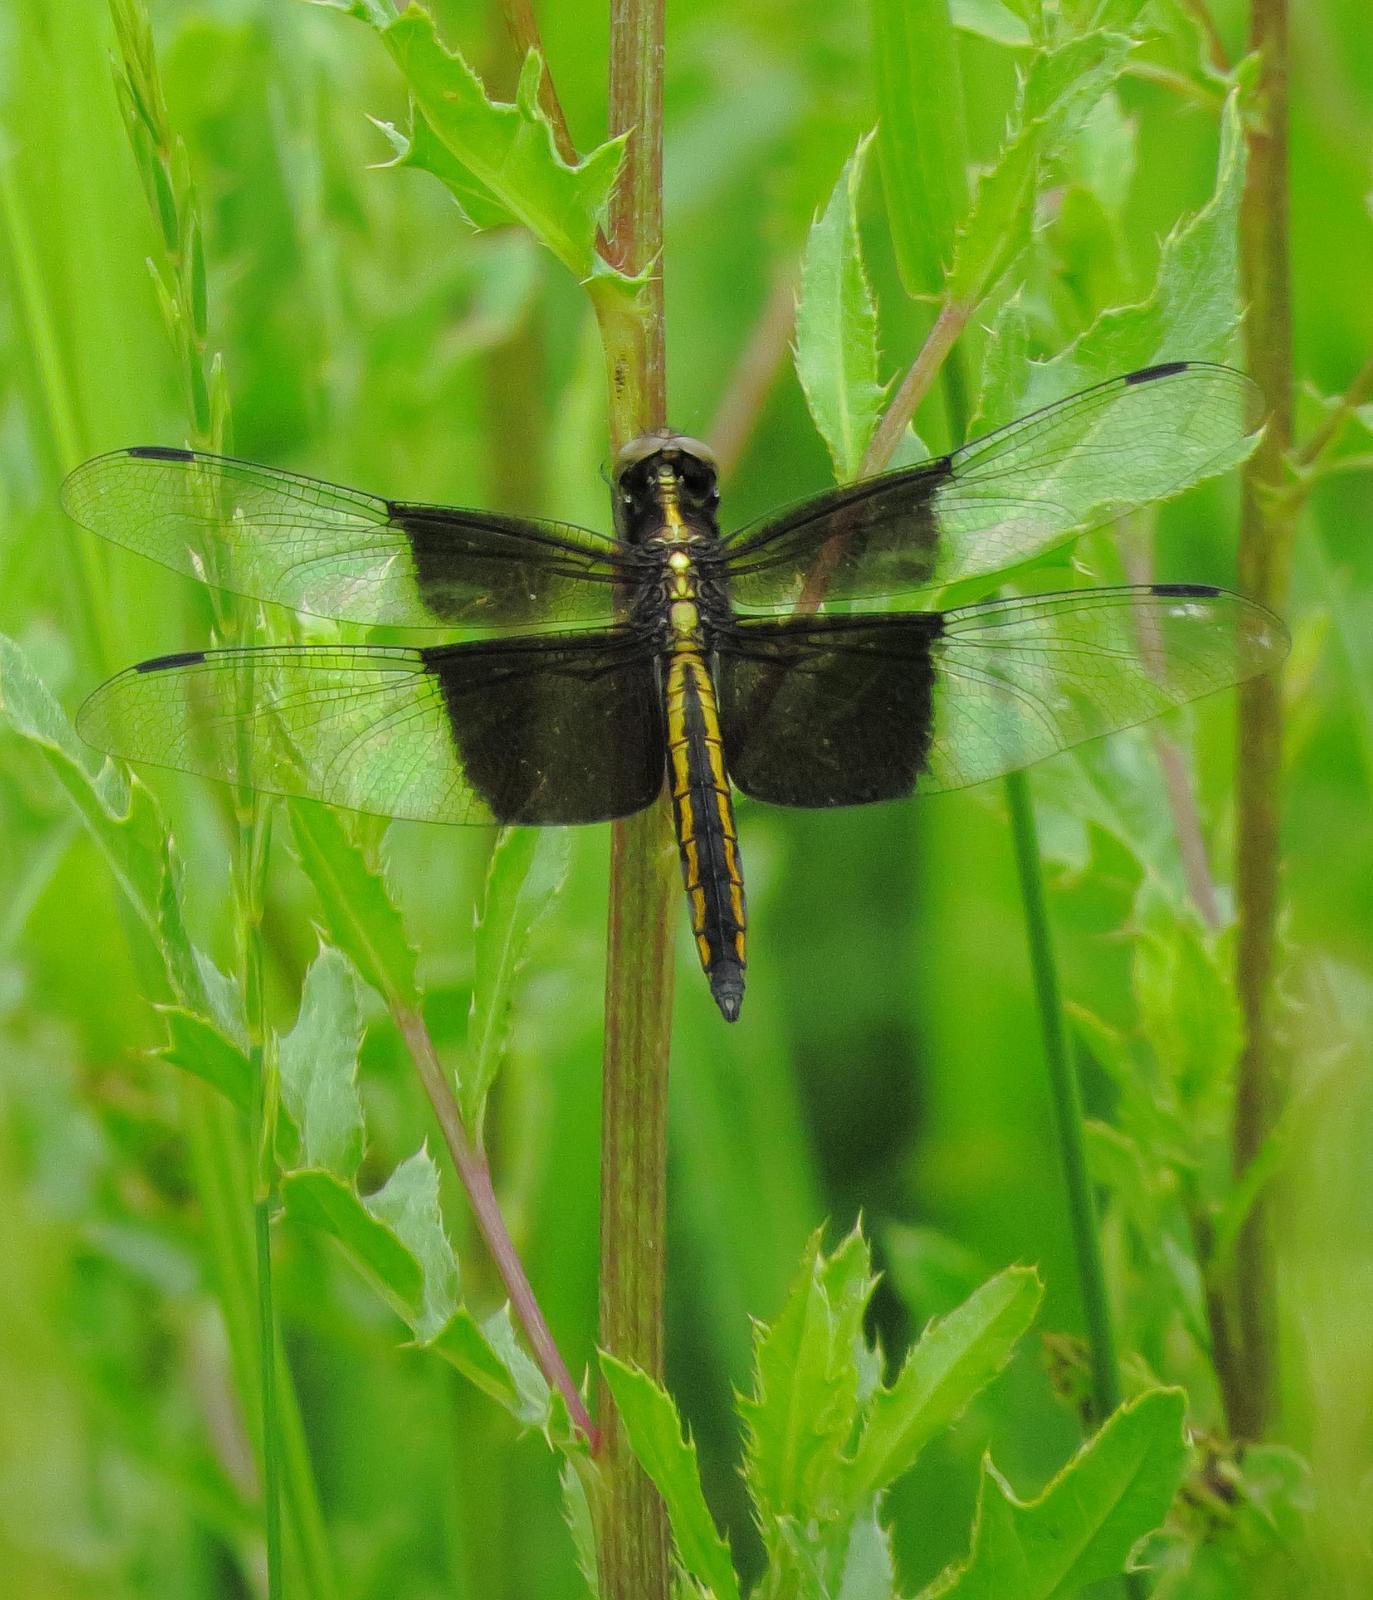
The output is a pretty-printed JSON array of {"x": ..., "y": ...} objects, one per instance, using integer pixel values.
[
  {"x": 118, "y": 812},
  {"x": 1116, "y": 1489},
  {"x": 922, "y": 144},
  {"x": 655, "y": 1434},
  {"x": 408, "y": 1203},
  {"x": 954, "y": 1360},
  {"x": 990, "y": 19},
  {"x": 489, "y": 1354},
  {"x": 836, "y": 327},
  {"x": 869, "y": 1567},
  {"x": 422, "y": 149},
  {"x": 1059, "y": 89},
  {"x": 527, "y": 872},
  {"x": 807, "y": 1378},
  {"x": 359, "y": 913},
  {"x": 324, "y": 1201},
  {"x": 579, "y": 1480},
  {"x": 197, "y": 1046},
  {"x": 507, "y": 149},
  {"x": 1192, "y": 311},
  {"x": 318, "y": 1063}
]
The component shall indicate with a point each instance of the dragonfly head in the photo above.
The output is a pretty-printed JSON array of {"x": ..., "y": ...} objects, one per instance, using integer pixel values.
[{"x": 661, "y": 466}]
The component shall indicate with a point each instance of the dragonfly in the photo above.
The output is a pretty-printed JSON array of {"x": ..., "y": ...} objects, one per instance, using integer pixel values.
[{"x": 670, "y": 653}]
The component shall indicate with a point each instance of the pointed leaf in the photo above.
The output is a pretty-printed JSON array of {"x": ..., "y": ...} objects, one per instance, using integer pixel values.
[
  {"x": 1192, "y": 311},
  {"x": 869, "y": 1567},
  {"x": 836, "y": 326},
  {"x": 318, "y": 1063},
  {"x": 954, "y": 1360},
  {"x": 806, "y": 1384},
  {"x": 528, "y": 869},
  {"x": 508, "y": 149},
  {"x": 322, "y": 1200},
  {"x": 1058, "y": 91},
  {"x": 1082, "y": 1528},
  {"x": 197, "y": 1046},
  {"x": 119, "y": 813},
  {"x": 655, "y": 1434},
  {"x": 361, "y": 916},
  {"x": 408, "y": 1203},
  {"x": 490, "y": 1355}
]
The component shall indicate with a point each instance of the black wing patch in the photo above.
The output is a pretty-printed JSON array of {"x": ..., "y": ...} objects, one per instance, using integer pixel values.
[
  {"x": 1004, "y": 499},
  {"x": 544, "y": 730},
  {"x": 837, "y": 711},
  {"x": 335, "y": 552}
]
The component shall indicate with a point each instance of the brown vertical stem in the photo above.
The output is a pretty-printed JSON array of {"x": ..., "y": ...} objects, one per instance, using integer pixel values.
[
  {"x": 632, "y": 1544},
  {"x": 1264, "y": 559}
]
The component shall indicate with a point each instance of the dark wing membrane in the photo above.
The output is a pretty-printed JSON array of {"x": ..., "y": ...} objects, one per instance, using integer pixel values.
[
  {"x": 336, "y": 552},
  {"x": 549, "y": 730},
  {"x": 1004, "y": 499},
  {"x": 843, "y": 710}
]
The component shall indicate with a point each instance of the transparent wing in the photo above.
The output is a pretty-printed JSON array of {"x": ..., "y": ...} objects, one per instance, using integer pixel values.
[
  {"x": 336, "y": 552},
  {"x": 1018, "y": 680},
  {"x": 1004, "y": 499},
  {"x": 542, "y": 730},
  {"x": 834, "y": 711}
]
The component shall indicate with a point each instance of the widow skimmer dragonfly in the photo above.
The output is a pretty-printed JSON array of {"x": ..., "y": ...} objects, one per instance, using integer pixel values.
[{"x": 652, "y": 654}]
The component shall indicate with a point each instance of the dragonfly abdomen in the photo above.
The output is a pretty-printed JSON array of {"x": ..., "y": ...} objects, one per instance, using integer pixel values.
[{"x": 706, "y": 833}]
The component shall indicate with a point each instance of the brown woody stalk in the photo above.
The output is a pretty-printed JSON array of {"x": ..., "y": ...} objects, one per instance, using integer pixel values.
[{"x": 1264, "y": 560}]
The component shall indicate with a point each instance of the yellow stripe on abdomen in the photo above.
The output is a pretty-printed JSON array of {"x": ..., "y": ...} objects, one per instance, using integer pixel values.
[{"x": 706, "y": 833}]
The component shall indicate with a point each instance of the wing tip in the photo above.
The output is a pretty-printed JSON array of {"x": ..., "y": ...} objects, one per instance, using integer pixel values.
[
  {"x": 157, "y": 452},
  {"x": 1161, "y": 369}
]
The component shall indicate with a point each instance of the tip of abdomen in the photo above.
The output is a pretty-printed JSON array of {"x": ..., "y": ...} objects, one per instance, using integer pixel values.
[{"x": 727, "y": 985}]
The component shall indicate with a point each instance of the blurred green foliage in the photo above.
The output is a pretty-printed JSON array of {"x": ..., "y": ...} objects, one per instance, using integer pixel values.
[{"x": 887, "y": 1061}]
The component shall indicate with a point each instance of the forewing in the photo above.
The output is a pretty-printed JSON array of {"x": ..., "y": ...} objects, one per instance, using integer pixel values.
[
  {"x": 1018, "y": 680},
  {"x": 1004, "y": 499},
  {"x": 551, "y": 730},
  {"x": 336, "y": 552},
  {"x": 846, "y": 710}
]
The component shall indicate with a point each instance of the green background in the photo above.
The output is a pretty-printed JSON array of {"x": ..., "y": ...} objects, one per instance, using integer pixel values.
[{"x": 887, "y": 1062}]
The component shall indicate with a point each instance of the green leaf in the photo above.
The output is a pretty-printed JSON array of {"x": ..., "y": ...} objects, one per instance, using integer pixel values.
[
  {"x": 836, "y": 327},
  {"x": 869, "y": 1568},
  {"x": 408, "y": 1203},
  {"x": 580, "y": 1482},
  {"x": 808, "y": 1368},
  {"x": 506, "y": 151},
  {"x": 489, "y": 1354},
  {"x": 991, "y": 20},
  {"x": 655, "y": 1434},
  {"x": 197, "y": 1046},
  {"x": 1082, "y": 1528},
  {"x": 359, "y": 913},
  {"x": 422, "y": 149},
  {"x": 119, "y": 813},
  {"x": 1192, "y": 311},
  {"x": 527, "y": 872},
  {"x": 955, "y": 1358},
  {"x": 318, "y": 1063},
  {"x": 921, "y": 139},
  {"x": 322, "y": 1200},
  {"x": 1059, "y": 89}
]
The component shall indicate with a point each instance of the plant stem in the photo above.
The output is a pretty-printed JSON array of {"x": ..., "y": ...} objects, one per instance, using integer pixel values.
[
  {"x": 1266, "y": 526},
  {"x": 632, "y": 1545},
  {"x": 1066, "y": 1101},
  {"x": 940, "y": 340},
  {"x": 475, "y": 1176}
]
